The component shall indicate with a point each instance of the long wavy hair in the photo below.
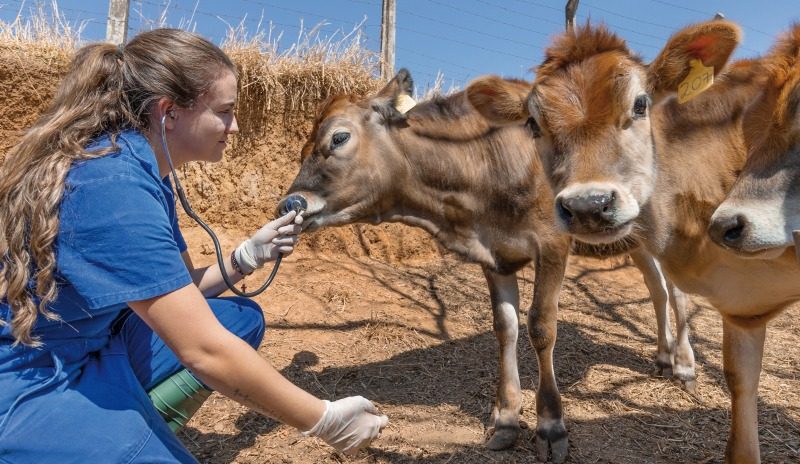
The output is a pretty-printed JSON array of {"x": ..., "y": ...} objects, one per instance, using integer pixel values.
[{"x": 106, "y": 89}]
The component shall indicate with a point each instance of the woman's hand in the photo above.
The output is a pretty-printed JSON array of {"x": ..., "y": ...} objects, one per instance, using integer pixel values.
[
  {"x": 276, "y": 238},
  {"x": 349, "y": 424}
]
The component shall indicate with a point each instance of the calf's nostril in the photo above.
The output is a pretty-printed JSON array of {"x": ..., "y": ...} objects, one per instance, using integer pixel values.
[
  {"x": 734, "y": 233},
  {"x": 729, "y": 230},
  {"x": 564, "y": 209}
]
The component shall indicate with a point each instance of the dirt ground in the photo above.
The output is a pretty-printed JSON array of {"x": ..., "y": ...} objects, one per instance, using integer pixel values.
[{"x": 415, "y": 336}]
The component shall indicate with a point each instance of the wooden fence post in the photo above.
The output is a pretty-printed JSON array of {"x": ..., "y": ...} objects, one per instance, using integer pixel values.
[
  {"x": 388, "y": 26},
  {"x": 117, "y": 27}
]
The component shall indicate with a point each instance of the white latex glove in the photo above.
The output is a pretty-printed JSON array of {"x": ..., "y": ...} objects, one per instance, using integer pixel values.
[
  {"x": 349, "y": 424},
  {"x": 277, "y": 237}
]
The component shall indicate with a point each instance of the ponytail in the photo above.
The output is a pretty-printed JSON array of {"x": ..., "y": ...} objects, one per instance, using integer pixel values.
[{"x": 106, "y": 89}]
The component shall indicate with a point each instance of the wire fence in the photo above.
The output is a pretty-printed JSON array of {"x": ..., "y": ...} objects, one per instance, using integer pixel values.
[{"x": 483, "y": 32}]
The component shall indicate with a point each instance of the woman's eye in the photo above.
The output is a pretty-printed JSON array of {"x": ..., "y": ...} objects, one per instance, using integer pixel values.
[
  {"x": 339, "y": 139},
  {"x": 640, "y": 107}
]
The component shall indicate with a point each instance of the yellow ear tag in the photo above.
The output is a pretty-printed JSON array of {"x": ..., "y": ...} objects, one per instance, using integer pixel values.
[
  {"x": 403, "y": 103},
  {"x": 699, "y": 79}
]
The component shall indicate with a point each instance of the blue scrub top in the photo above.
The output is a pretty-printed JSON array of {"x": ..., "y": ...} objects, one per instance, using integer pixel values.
[{"x": 118, "y": 241}]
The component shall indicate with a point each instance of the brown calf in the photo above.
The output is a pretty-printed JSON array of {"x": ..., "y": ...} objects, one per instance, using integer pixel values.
[
  {"x": 481, "y": 192},
  {"x": 627, "y": 160}
]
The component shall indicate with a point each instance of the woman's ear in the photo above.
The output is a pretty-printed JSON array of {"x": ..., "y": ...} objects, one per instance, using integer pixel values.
[{"x": 164, "y": 107}]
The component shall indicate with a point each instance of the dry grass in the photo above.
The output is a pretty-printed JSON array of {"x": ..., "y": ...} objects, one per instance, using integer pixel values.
[
  {"x": 298, "y": 78},
  {"x": 295, "y": 79},
  {"x": 41, "y": 27},
  {"x": 42, "y": 38}
]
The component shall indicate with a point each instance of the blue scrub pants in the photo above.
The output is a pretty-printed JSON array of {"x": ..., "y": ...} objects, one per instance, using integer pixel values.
[
  {"x": 94, "y": 407},
  {"x": 153, "y": 361}
]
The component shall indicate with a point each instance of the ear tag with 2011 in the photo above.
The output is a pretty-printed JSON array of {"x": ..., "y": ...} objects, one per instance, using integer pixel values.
[{"x": 699, "y": 79}]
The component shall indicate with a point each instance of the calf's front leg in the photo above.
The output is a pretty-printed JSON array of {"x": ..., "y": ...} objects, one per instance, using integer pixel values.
[
  {"x": 672, "y": 359},
  {"x": 504, "y": 422},
  {"x": 551, "y": 433},
  {"x": 742, "y": 352}
]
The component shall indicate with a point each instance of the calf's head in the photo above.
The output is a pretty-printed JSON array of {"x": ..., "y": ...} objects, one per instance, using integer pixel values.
[
  {"x": 349, "y": 165},
  {"x": 590, "y": 109},
  {"x": 762, "y": 212}
]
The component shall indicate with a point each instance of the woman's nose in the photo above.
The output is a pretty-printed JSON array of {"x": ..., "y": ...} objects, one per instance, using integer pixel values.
[{"x": 233, "y": 128}]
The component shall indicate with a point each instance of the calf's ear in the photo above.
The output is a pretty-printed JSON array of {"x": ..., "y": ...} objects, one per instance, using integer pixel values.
[
  {"x": 498, "y": 100},
  {"x": 783, "y": 62},
  {"x": 394, "y": 100},
  {"x": 692, "y": 57}
]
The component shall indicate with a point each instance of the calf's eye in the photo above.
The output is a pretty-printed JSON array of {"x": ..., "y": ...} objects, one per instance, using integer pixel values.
[
  {"x": 339, "y": 139},
  {"x": 640, "y": 106},
  {"x": 533, "y": 126}
]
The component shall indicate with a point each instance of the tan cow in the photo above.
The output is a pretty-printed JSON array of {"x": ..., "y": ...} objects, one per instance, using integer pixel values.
[
  {"x": 763, "y": 209},
  {"x": 761, "y": 216},
  {"x": 626, "y": 159},
  {"x": 481, "y": 192}
]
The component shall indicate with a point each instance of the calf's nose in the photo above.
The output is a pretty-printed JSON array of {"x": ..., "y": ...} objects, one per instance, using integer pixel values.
[{"x": 587, "y": 208}]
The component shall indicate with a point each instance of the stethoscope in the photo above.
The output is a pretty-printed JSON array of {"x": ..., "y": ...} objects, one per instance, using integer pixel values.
[{"x": 288, "y": 206}]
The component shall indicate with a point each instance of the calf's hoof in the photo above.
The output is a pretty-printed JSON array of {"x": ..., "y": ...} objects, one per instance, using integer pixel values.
[
  {"x": 556, "y": 450},
  {"x": 663, "y": 369},
  {"x": 552, "y": 443},
  {"x": 682, "y": 375},
  {"x": 503, "y": 437},
  {"x": 688, "y": 383}
]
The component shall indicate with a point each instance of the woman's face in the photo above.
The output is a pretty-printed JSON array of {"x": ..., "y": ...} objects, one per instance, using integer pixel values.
[{"x": 200, "y": 133}]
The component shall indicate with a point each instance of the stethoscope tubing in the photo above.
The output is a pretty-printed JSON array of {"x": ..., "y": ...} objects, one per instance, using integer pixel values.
[{"x": 198, "y": 220}]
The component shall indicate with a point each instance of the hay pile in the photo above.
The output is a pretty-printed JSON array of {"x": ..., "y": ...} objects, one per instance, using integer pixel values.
[{"x": 279, "y": 94}]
